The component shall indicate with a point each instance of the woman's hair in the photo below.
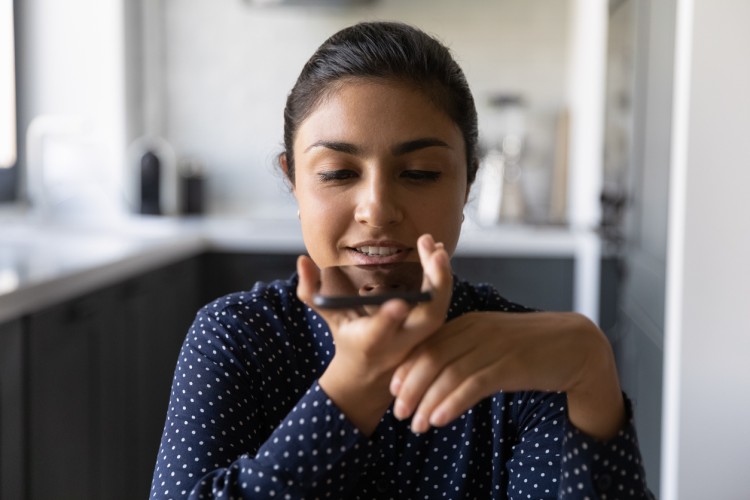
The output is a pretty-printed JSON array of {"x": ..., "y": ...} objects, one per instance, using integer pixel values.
[{"x": 384, "y": 50}]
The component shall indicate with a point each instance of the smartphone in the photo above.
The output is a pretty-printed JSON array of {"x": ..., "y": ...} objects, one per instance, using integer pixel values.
[{"x": 349, "y": 287}]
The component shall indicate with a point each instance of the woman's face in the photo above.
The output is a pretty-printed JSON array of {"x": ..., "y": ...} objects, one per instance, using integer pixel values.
[{"x": 376, "y": 166}]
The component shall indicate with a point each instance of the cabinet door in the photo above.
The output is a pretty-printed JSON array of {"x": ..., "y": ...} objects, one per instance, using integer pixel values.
[
  {"x": 12, "y": 453},
  {"x": 541, "y": 283},
  {"x": 100, "y": 370},
  {"x": 160, "y": 309},
  {"x": 226, "y": 272},
  {"x": 63, "y": 401},
  {"x": 115, "y": 392}
]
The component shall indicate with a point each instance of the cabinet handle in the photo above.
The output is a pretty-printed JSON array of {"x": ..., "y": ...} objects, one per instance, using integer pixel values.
[{"x": 82, "y": 310}]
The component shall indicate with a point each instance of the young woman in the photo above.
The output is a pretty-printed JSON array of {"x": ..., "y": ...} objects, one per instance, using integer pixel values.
[{"x": 464, "y": 396}]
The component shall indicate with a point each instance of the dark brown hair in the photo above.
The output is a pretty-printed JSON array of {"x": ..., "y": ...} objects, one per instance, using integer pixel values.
[{"x": 384, "y": 50}]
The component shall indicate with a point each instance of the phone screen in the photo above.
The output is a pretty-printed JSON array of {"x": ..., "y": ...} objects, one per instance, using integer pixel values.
[{"x": 344, "y": 287}]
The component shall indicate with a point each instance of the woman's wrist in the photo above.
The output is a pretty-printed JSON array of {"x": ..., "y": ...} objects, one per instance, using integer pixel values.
[
  {"x": 595, "y": 403},
  {"x": 362, "y": 398}
]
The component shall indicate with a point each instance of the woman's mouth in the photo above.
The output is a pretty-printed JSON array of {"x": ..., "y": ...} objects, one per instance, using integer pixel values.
[
  {"x": 374, "y": 251},
  {"x": 378, "y": 254}
]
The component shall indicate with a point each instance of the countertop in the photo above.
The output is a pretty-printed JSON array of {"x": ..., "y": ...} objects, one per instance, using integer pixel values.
[{"x": 43, "y": 262}]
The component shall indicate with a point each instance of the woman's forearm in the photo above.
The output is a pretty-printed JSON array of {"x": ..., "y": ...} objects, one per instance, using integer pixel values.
[
  {"x": 363, "y": 400},
  {"x": 595, "y": 402}
]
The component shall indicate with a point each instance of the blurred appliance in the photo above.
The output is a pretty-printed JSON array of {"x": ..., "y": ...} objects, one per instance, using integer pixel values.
[
  {"x": 150, "y": 199},
  {"x": 500, "y": 198},
  {"x": 154, "y": 182},
  {"x": 192, "y": 187},
  {"x": 68, "y": 171}
]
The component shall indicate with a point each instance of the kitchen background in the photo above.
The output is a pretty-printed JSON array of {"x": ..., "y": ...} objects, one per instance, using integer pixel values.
[
  {"x": 212, "y": 81},
  {"x": 225, "y": 82},
  {"x": 604, "y": 206}
]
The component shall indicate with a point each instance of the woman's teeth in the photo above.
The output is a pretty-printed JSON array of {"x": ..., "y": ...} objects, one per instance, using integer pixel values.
[{"x": 378, "y": 251}]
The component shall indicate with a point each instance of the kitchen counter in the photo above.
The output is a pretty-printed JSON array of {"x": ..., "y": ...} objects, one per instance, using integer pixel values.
[{"x": 43, "y": 263}]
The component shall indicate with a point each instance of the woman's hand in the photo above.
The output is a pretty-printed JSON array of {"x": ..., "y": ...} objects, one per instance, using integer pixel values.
[
  {"x": 369, "y": 348},
  {"x": 481, "y": 353}
]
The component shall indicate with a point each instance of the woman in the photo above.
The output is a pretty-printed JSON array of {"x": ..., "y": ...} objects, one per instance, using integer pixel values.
[{"x": 459, "y": 397}]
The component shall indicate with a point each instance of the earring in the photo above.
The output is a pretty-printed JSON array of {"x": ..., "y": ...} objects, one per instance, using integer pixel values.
[
  {"x": 463, "y": 216},
  {"x": 298, "y": 215}
]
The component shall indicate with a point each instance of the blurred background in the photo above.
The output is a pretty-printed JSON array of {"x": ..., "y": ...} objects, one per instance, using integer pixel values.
[{"x": 138, "y": 181}]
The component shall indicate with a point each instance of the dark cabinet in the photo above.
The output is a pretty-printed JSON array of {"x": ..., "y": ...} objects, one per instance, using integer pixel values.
[
  {"x": 100, "y": 369},
  {"x": 541, "y": 283},
  {"x": 84, "y": 385},
  {"x": 12, "y": 411},
  {"x": 159, "y": 311},
  {"x": 544, "y": 283},
  {"x": 68, "y": 423},
  {"x": 226, "y": 272}
]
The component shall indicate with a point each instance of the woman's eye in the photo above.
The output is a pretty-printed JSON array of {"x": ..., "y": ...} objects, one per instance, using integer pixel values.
[
  {"x": 336, "y": 175},
  {"x": 421, "y": 175}
]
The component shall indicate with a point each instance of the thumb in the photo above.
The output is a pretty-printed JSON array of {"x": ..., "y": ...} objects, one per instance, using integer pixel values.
[
  {"x": 309, "y": 284},
  {"x": 309, "y": 279},
  {"x": 438, "y": 277}
]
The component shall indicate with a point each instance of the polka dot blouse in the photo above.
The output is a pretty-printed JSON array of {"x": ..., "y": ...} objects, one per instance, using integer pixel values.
[{"x": 247, "y": 419}]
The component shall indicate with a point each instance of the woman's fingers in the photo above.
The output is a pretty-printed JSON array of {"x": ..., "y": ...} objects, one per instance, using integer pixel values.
[
  {"x": 419, "y": 372},
  {"x": 426, "y": 317},
  {"x": 436, "y": 391},
  {"x": 452, "y": 400},
  {"x": 309, "y": 279},
  {"x": 436, "y": 265},
  {"x": 451, "y": 371},
  {"x": 494, "y": 351},
  {"x": 453, "y": 364},
  {"x": 309, "y": 284},
  {"x": 385, "y": 337},
  {"x": 390, "y": 316}
]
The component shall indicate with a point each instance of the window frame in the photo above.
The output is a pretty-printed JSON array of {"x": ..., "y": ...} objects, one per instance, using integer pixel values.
[{"x": 9, "y": 177}]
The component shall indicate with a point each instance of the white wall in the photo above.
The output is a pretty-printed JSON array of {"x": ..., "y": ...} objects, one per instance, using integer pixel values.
[
  {"x": 71, "y": 66},
  {"x": 228, "y": 68},
  {"x": 707, "y": 338},
  {"x": 212, "y": 78}
]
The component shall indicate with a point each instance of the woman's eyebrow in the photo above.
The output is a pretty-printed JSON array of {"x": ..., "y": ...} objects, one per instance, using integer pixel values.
[
  {"x": 341, "y": 147},
  {"x": 416, "y": 144},
  {"x": 399, "y": 149}
]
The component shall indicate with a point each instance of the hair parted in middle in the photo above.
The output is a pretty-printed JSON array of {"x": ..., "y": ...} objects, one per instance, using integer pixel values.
[{"x": 387, "y": 51}]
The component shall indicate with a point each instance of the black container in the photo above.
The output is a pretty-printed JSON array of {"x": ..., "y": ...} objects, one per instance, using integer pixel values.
[
  {"x": 192, "y": 188},
  {"x": 150, "y": 184}
]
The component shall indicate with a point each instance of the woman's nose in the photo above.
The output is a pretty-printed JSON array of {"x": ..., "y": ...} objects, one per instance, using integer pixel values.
[{"x": 378, "y": 204}]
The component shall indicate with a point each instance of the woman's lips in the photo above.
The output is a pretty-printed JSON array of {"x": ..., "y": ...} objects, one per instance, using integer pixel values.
[{"x": 377, "y": 254}]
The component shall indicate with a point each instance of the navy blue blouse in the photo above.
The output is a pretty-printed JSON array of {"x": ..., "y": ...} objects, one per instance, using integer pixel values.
[{"x": 247, "y": 419}]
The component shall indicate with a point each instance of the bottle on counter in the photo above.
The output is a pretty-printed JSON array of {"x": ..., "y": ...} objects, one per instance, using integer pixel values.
[
  {"x": 150, "y": 199},
  {"x": 192, "y": 187},
  {"x": 153, "y": 180}
]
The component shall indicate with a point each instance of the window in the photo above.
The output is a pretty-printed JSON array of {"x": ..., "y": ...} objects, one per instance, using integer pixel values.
[{"x": 8, "y": 132}]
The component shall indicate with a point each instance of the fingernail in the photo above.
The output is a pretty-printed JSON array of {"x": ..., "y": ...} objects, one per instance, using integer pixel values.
[
  {"x": 399, "y": 410},
  {"x": 437, "y": 419},
  {"x": 395, "y": 386},
  {"x": 419, "y": 424}
]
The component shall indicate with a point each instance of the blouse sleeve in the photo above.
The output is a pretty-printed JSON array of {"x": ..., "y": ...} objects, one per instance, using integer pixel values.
[
  {"x": 603, "y": 469},
  {"x": 315, "y": 448},
  {"x": 585, "y": 467},
  {"x": 553, "y": 459},
  {"x": 219, "y": 441}
]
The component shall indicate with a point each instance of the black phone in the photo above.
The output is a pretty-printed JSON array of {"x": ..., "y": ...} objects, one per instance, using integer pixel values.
[{"x": 348, "y": 287}]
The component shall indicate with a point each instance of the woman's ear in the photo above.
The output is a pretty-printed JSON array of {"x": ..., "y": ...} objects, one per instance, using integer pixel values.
[
  {"x": 469, "y": 184},
  {"x": 284, "y": 165}
]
